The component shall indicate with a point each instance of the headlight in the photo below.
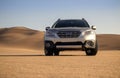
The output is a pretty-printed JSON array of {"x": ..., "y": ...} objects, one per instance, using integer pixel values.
[
  {"x": 50, "y": 34},
  {"x": 89, "y": 35},
  {"x": 87, "y": 32}
]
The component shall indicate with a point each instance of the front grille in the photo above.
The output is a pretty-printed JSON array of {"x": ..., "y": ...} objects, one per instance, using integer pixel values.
[{"x": 69, "y": 34}]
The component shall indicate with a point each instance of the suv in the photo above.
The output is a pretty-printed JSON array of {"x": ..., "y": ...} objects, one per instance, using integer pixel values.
[{"x": 71, "y": 34}]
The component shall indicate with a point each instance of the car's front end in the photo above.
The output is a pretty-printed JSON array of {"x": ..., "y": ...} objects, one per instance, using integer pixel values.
[
  {"x": 70, "y": 38},
  {"x": 65, "y": 38}
]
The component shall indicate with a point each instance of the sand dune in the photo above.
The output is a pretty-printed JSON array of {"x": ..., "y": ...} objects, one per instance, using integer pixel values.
[
  {"x": 109, "y": 42},
  {"x": 22, "y": 37}
]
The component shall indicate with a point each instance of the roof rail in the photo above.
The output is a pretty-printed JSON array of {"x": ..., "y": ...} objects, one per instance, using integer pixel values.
[
  {"x": 83, "y": 18},
  {"x": 58, "y": 19}
]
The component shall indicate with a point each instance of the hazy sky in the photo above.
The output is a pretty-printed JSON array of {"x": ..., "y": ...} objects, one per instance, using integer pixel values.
[{"x": 37, "y": 14}]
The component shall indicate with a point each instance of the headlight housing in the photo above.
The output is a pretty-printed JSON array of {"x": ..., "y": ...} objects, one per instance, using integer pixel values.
[
  {"x": 89, "y": 35},
  {"x": 88, "y": 32},
  {"x": 50, "y": 34}
]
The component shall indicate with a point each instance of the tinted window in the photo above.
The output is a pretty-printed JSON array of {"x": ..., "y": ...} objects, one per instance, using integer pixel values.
[{"x": 71, "y": 23}]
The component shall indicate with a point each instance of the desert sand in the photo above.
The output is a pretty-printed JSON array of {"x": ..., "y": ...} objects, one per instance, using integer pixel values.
[{"x": 22, "y": 56}]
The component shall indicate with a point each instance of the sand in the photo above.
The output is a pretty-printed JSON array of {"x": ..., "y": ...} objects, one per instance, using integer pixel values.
[
  {"x": 25, "y": 63},
  {"x": 22, "y": 56}
]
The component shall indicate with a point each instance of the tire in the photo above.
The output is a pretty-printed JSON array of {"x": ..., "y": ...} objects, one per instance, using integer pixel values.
[
  {"x": 92, "y": 52},
  {"x": 56, "y": 53},
  {"x": 48, "y": 52}
]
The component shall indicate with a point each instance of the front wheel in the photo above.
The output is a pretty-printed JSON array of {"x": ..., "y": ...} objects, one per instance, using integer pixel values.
[
  {"x": 56, "y": 52},
  {"x": 48, "y": 52},
  {"x": 92, "y": 52}
]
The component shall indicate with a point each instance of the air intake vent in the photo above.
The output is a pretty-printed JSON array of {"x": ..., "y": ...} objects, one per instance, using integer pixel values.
[{"x": 69, "y": 34}]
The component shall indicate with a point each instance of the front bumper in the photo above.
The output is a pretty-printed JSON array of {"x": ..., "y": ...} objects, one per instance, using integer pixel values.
[
  {"x": 70, "y": 45},
  {"x": 88, "y": 41}
]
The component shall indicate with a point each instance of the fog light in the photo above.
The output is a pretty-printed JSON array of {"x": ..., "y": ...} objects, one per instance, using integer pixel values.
[
  {"x": 90, "y": 43},
  {"x": 47, "y": 44}
]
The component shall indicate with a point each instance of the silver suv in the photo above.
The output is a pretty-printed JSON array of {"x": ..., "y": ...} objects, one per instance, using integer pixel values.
[{"x": 71, "y": 34}]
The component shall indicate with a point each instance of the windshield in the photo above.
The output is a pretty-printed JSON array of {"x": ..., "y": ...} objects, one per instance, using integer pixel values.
[{"x": 70, "y": 23}]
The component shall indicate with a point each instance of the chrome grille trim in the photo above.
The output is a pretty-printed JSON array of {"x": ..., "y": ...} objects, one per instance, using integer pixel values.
[{"x": 69, "y": 34}]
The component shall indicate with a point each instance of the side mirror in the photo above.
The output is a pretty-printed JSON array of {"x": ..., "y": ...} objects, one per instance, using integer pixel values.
[
  {"x": 93, "y": 27},
  {"x": 47, "y": 28}
]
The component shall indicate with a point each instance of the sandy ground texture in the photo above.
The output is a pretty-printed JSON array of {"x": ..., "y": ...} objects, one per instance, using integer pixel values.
[{"x": 26, "y": 63}]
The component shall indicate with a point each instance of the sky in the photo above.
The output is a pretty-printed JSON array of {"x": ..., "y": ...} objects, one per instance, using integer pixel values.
[{"x": 38, "y": 14}]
